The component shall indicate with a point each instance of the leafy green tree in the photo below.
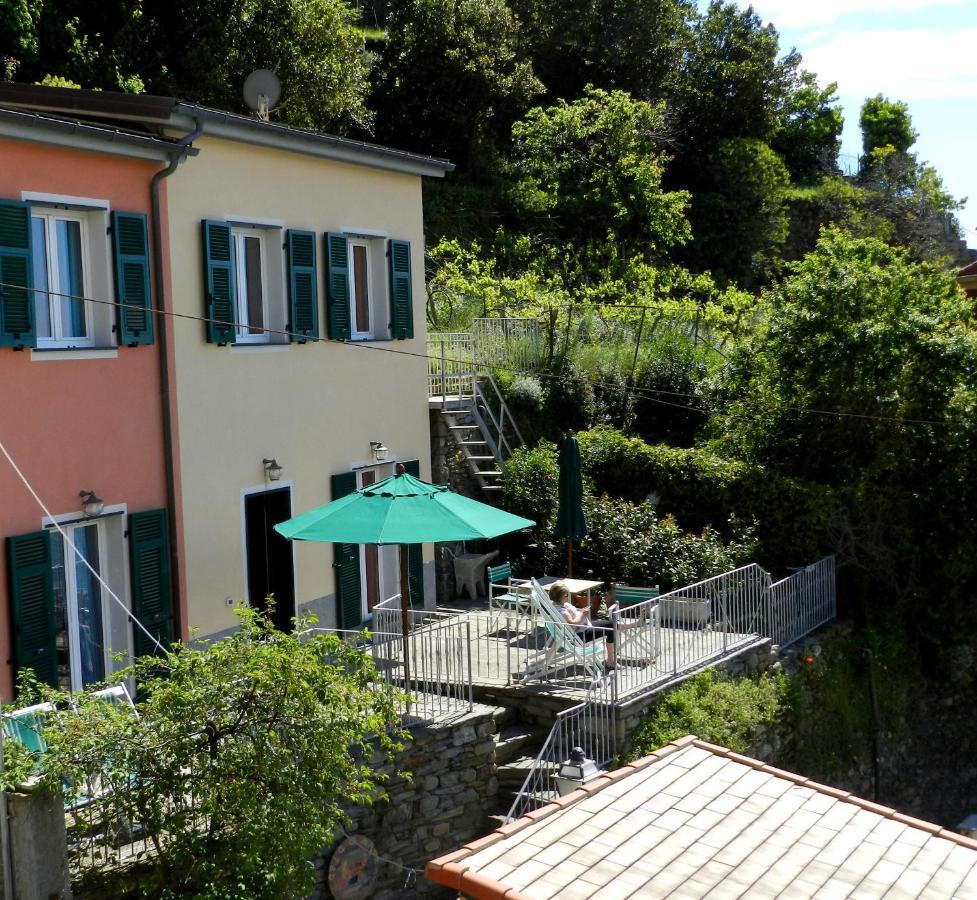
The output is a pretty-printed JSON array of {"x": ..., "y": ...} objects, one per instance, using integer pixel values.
[
  {"x": 808, "y": 135},
  {"x": 588, "y": 177},
  {"x": 739, "y": 218},
  {"x": 203, "y": 52},
  {"x": 886, "y": 123},
  {"x": 631, "y": 45},
  {"x": 452, "y": 79},
  {"x": 909, "y": 202},
  {"x": 733, "y": 82},
  {"x": 240, "y": 764},
  {"x": 18, "y": 34},
  {"x": 862, "y": 332}
]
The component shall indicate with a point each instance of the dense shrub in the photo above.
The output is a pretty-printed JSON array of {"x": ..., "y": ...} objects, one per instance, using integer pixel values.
[
  {"x": 667, "y": 410},
  {"x": 702, "y": 489},
  {"x": 530, "y": 484},
  {"x": 613, "y": 397},
  {"x": 716, "y": 708},
  {"x": 628, "y": 542},
  {"x": 525, "y": 395},
  {"x": 570, "y": 403}
]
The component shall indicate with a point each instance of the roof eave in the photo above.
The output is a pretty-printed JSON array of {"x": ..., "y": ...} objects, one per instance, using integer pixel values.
[
  {"x": 282, "y": 137},
  {"x": 35, "y": 127}
]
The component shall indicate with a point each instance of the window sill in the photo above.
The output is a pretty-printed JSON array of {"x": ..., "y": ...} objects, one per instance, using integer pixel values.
[
  {"x": 258, "y": 348},
  {"x": 370, "y": 340},
  {"x": 47, "y": 354}
]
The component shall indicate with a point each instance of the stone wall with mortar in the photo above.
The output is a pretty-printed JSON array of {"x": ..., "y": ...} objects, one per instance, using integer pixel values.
[{"x": 445, "y": 802}]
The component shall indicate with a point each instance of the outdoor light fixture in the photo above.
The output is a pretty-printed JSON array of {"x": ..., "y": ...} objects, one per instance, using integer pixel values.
[
  {"x": 272, "y": 470},
  {"x": 380, "y": 452},
  {"x": 575, "y": 772},
  {"x": 91, "y": 503}
]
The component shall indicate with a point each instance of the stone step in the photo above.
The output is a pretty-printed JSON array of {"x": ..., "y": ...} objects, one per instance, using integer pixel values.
[
  {"x": 493, "y": 822},
  {"x": 503, "y": 716},
  {"x": 513, "y": 774},
  {"x": 491, "y": 487},
  {"x": 482, "y": 458},
  {"x": 487, "y": 473},
  {"x": 511, "y": 743}
]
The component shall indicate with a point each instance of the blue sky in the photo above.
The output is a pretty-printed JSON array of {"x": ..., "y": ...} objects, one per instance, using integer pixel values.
[{"x": 923, "y": 52}]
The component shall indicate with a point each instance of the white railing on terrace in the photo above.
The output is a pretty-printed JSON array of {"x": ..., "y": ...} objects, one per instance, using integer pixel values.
[
  {"x": 507, "y": 343},
  {"x": 450, "y": 365},
  {"x": 494, "y": 419},
  {"x": 802, "y": 602},
  {"x": 438, "y": 649}
]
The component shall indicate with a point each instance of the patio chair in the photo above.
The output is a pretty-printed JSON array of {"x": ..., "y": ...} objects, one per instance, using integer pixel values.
[
  {"x": 563, "y": 645},
  {"x": 504, "y": 593},
  {"x": 626, "y": 596}
]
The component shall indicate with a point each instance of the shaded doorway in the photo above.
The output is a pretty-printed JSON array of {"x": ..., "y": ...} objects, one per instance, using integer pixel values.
[{"x": 270, "y": 566}]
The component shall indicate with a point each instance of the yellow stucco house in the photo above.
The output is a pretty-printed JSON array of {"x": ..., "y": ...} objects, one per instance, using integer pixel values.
[{"x": 294, "y": 347}]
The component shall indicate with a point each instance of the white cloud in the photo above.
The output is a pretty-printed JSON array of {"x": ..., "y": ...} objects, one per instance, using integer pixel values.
[
  {"x": 915, "y": 64},
  {"x": 802, "y": 14}
]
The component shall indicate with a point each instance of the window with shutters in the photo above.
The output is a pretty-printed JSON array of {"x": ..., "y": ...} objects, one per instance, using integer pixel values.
[{"x": 63, "y": 318}]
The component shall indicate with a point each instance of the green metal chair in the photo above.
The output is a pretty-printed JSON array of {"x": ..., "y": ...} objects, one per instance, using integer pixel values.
[
  {"x": 625, "y": 596},
  {"x": 25, "y": 726},
  {"x": 503, "y": 592}
]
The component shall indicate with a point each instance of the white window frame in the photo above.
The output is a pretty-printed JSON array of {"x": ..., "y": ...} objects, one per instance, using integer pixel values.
[
  {"x": 50, "y": 217},
  {"x": 370, "y": 293},
  {"x": 242, "y": 334}
]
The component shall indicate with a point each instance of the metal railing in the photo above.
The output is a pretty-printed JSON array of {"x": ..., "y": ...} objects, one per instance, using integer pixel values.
[
  {"x": 588, "y": 725},
  {"x": 494, "y": 420},
  {"x": 507, "y": 343},
  {"x": 802, "y": 602},
  {"x": 438, "y": 647},
  {"x": 451, "y": 365}
]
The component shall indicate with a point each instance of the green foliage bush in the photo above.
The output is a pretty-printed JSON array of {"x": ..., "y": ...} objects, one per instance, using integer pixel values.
[
  {"x": 272, "y": 735},
  {"x": 570, "y": 401},
  {"x": 673, "y": 376},
  {"x": 715, "y": 708},
  {"x": 702, "y": 489},
  {"x": 625, "y": 541},
  {"x": 630, "y": 543}
]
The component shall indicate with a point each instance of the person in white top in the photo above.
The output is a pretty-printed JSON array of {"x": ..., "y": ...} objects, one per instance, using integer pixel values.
[{"x": 579, "y": 618}]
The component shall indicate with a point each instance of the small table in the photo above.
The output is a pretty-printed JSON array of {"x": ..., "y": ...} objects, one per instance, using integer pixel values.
[
  {"x": 574, "y": 586},
  {"x": 470, "y": 570}
]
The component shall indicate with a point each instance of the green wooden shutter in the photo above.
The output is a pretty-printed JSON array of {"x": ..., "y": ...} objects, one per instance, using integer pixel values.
[
  {"x": 16, "y": 276},
  {"x": 303, "y": 286},
  {"x": 401, "y": 293},
  {"x": 337, "y": 287},
  {"x": 32, "y": 605},
  {"x": 219, "y": 287},
  {"x": 415, "y": 553},
  {"x": 346, "y": 562},
  {"x": 149, "y": 571},
  {"x": 130, "y": 244}
]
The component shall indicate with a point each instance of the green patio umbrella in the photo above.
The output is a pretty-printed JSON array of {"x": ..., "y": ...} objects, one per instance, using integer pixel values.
[
  {"x": 570, "y": 521},
  {"x": 401, "y": 510}
]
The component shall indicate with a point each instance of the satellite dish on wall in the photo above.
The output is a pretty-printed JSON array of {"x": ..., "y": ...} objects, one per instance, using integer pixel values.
[{"x": 262, "y": 90}]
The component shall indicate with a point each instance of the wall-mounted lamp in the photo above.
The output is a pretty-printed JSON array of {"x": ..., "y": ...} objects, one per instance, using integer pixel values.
[
  {"x": 380, "y": 453},
  {"x": 575, "y": 772},
  {"x": 91, "y": 504},
  {"x": 273, "y": 471}
]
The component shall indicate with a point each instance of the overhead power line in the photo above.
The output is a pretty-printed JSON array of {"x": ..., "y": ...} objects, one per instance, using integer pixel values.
[{"x": 651, "y": 394}]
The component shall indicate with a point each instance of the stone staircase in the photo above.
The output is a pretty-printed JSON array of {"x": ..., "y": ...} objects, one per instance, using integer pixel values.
[{"x": 516, "y": 747}]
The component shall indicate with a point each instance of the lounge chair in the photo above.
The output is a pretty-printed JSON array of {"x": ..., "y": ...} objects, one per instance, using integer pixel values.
[{"x": 563, "y": 647}]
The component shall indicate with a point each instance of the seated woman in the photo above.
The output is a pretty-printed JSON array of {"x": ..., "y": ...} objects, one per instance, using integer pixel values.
[{"x": 586, "y": 630}]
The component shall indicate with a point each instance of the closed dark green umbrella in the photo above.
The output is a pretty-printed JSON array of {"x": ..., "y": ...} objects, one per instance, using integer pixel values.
[{"x": 570, "y": 521}]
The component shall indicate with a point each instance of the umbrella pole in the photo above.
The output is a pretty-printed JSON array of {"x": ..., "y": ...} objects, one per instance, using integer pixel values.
[
  {"x": 404, "y": 613},
  {"x": 569, "y": 557}
]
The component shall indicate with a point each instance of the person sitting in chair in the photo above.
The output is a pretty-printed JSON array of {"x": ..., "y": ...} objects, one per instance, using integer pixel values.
[{"x": 579, "y": 618}]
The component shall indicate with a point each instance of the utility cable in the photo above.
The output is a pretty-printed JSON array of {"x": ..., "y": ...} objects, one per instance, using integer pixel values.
[
  {"x": 650, "y": 394},
  {"x": 78, "y": 554}
]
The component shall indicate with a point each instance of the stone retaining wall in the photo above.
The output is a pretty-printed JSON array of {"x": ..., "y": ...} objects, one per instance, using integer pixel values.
[{"x": 445, "y": 803}]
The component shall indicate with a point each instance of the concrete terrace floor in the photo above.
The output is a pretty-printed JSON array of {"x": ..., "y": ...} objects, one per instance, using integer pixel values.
[{"x": 495, "y": 649}]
